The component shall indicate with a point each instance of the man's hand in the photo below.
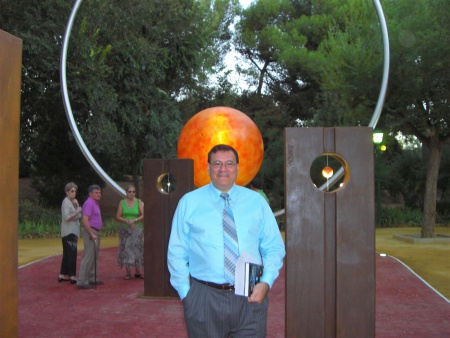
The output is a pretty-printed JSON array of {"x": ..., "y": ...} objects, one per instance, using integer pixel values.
[
  {"x": 94, "y": 237},
  {"x": 259, "y": 293}
]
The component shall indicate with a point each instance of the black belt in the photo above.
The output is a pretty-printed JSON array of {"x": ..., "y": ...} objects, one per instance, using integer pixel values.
[{"x": 216, "y": 286}]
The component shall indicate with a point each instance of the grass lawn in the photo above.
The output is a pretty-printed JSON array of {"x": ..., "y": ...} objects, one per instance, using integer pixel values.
[
  {"x": 31, "y": 250},
  {"x": 430, "y": 261}
]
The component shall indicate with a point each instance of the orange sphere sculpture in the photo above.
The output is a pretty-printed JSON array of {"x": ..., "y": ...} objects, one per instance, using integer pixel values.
[
  {"x": 221, "y": 125},
  {"x": 327, "y": 172}
]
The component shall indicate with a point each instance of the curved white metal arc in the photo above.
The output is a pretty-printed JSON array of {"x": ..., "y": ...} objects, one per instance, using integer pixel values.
[
  {"x": 386, "y": 55},
  {"x": 384, "y": 82},
  {"x": 68, "y": 108},
  {"x": 121, "y": 191}
]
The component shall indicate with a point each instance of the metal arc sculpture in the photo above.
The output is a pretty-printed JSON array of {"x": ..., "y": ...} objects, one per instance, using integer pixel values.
[
  {"x": 68, "y": 108},
  {"x": 378, "y": 108},
  {"x": 120, "y": 190}
]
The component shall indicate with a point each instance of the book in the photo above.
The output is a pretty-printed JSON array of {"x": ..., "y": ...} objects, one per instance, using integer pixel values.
[{"x": 252, "y": 276}]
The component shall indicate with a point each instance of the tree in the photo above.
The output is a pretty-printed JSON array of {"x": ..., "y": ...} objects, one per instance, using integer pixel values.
[
  {"x": 152, "y": 52},
  {"x": 271, "y": 120},
  {"x": 128, "y": 64},
  {"x": 281, "y": 41},
  {"x": 278, "y": 39},
  {"x": 47, "y": 150},
  {"x": 417, "y": 101}
]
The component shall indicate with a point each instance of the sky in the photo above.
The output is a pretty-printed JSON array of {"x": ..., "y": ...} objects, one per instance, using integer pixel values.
[
  {"x": 230, "y": 59},
  {"x": 245, "y": 3}
]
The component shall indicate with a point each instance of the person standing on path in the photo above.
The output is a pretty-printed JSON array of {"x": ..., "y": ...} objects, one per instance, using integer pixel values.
[
  {"x": 92, "y": 224},
  {"x": 131, "y": 245},
  {"x": 70, "y": 231},
  {"x": 212, "y": 226}
]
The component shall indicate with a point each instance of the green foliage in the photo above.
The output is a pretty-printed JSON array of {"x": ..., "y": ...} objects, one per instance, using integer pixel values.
[
  {"x": 271, "y": 120},
  {"x": 36, "y": 221},
  {"x": 420, "y": 81},
  {"x": 155, "y": 51},
  {"x": 443, "y": 218},
  {"x": 443, "y": 201},
  {"x": 398, "y": 217},
  {"x": 406, "y": 177},
  {"x": 31, "y": 211},
  {"x": 138, "y": 70},
  {"x": 127, "y": 63},
  {"x": 48, "y": 153},
  {"x": 32, "y": 230},
  {"x": 417, "y": 100},
  {"x": 401, "y": 217},
  {"x": 274, "y": 39}
]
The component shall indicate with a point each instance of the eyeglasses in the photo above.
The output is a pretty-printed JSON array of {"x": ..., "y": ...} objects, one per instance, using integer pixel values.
[
  {"x": 229, "y": 165},
  {"x": 131, "y": 191},
  {"x": 73, "y": 190}
]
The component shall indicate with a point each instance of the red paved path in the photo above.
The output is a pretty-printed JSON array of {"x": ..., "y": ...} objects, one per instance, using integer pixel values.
[{"x": 406, "y": 306}]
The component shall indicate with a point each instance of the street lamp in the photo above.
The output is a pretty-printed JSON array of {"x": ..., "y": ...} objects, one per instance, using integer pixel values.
[{"x": 377, "y": 139}]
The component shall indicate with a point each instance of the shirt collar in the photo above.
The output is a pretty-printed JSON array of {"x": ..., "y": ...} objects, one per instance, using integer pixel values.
[
  {"x": 216, "y": 192},
  {"x": 95, "y": 201}
]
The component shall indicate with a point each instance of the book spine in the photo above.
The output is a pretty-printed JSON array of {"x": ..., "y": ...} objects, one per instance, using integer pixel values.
[{"x": 247, "y": 280}]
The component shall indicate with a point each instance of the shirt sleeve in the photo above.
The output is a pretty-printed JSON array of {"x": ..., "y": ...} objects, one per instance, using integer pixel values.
[
  {"x": 178, "y": 252},
  {"x": 67, "y": 210},
  {"x": 87, "y": 208},
  {"x": 272, "y": 247}
]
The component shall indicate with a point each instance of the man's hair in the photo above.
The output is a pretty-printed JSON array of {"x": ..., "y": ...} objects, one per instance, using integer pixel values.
[
  {"x": 94, "y": 187},
  {"x": 222, "y": 147}
]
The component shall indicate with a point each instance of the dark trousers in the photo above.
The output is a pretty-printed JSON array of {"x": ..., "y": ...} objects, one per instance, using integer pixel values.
[
  {"x": 69, "y": 258},
  {"x": 214, "y": 313}
]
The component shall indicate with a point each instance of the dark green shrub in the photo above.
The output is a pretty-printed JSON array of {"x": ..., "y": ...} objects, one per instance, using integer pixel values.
[
  {"x": 396, "y": 217},
  {"x": 36, "y": 221},
  {"x": 31, "y": 211}
]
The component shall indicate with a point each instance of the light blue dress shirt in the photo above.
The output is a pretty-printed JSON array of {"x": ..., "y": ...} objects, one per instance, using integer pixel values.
[{"x": 196, "y": 241}]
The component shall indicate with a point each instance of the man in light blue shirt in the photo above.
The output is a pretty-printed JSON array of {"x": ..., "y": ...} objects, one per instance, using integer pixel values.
[{"x": 196, "y": 253}]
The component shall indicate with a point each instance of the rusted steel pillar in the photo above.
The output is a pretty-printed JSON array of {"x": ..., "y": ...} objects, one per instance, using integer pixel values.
[
  {"x": 165, "y": 182},
  {"x": 330, "y": 236},
  {"x": 10, "y": 79}
]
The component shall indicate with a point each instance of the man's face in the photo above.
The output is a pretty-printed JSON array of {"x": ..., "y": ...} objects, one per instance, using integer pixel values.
[
  {"x": 95, "y": 194},
  {"x": 223, "y": 170}
]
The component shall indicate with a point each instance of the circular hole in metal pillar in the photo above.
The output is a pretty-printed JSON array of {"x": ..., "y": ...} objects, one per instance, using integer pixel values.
[
  {"x": 324, "y": 167},
  {"x": 166, "y": 183}
]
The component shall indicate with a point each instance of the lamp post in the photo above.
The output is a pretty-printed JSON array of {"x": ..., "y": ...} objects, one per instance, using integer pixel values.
[{"x": 377, "y": 139}]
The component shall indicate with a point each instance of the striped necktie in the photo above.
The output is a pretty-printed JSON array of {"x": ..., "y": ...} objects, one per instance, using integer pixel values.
[{"x": 230, "y": 240}]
